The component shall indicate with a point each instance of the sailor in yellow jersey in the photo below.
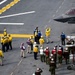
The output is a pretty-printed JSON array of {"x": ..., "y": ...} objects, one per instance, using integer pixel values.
[
  {"x": 47, "y": 34},
  {"x": 41, "y": 42},
  {"x": 1, "y": 57},
  {"x": 10, "y": 41}
]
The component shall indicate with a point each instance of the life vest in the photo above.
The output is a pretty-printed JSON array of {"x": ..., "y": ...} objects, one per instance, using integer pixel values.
[
  {"x": 47, "y": 52},
  {"x": 28, "y": 42},
  {"x": 1, "y": 53},
  {"x": 53, "y": 51},
  {"x": 59, "y": 52},
  {"x": 9, "y": 38},
  {"x": 41, "y": 41},
  {"x": 35, "y": 49},
  {"x": 52, "y": 63},
  {"x": 47, "y": 32}
]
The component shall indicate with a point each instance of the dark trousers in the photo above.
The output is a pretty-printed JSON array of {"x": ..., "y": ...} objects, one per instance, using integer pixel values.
[
  {"x": 60, "y": 59},
  {"x": 10, "y": 45},
  {"x": 3, "y": 47},
  {"x": 67, "y": 61},
  {"x": 31, "y": 47},
  {"x": 42, "y": 57},
  {"x": 47, "y": 59},
  {"x": 63, "y": 41},
  {"x": 52, "y": 70},
  {"x": 6, "y": 46},
  {"x": 35, "y": 55},
  {"x": 36, "y": 39}
]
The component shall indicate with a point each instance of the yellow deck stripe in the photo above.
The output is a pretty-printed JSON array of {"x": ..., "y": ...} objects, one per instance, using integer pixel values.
[
  {"x": 19, "y": 35},
  {"x": 8, "y": 6}
]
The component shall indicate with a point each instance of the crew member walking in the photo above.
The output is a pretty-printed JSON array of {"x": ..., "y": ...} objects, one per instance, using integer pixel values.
[
  {"x": 2, "y": 43},
  {"x": 52, "y": 66},
  {"x": 23, "y": 48},
  {"x": 54, "y": 52},
  {"x": 63, "y": 37},
  {"x": 10, "y": 41},
  {"x": 66, "y": 55},
  {"x": 42, "y": 56},
  {"x": 60, "y": 56},
  {"x": 35, "y": 50},
  {"x": 47, "y": 53},
  {"x": 47, "y": 34},
  {"x": 41, "y": 41}
]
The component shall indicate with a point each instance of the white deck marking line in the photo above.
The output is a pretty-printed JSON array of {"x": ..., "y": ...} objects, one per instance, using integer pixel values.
[
  {"x": 45, "y": 26},
  {"x": 17, "y": 14},
  {"x": 53, "y": 16},
  {"x": 16, "y": 67},
  {"x": 57, "y": 10},
  {"x": 3, "y": 2},
  {"x": 49, "y": 21},
  {"x": 59, "y": 7},
  {"x": 12, "y": 73},
  {"x": 11, "y": 23},
  {"x": 20, "y": 62}
]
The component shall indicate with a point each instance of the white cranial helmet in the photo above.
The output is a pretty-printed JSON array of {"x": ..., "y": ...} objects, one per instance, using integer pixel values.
[
  {"x": 41, "y": 47},
  {"x": 47, "y": 47},
  {"x": 54, "y": 47},
  {"x": 34, "y": 42},
  {"x": 59, "y": 47},
  {"x": 66, "y": 48},
  {"x": 51, "y": 55},
  {"x": 52, "y": 59},
  {"x": 37, "y": 68}
]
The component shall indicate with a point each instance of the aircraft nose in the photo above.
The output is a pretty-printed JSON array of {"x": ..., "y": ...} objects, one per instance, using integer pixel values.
[
  {"x": 59, "y": 19},
  {"x": 62, "y": 19}
]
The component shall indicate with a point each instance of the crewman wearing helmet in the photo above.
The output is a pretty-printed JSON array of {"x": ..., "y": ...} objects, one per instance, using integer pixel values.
[
  {"x": 2, "y": 43},
  {"x": 63, "y": 37},
  {"x": 54, "y": 52},
  {"x": 47, "y": 53},
  {"x": 66, "y": 55},
  {"x": 47, "y": 33},
  {"x": 10, "y": 41},
  {"x": 42, "y": 56},
  {"x": 60, "y": 53},
  {"x": 51, "y": 56},
  {"x": 35, "y": 50},
  {"x": 6, "y": 43},
  {"x": 36, "y": 38},
  {"x": 32, "y": 41},
  {"x": 23, "y": 48},
  {"x": 52, "y": 67}
]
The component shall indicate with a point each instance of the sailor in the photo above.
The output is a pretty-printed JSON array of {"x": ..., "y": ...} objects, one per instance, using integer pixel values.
[
  {"x": 52, "y": 66},
  {"x": 66, "y": 55},
  {"x": 47, "y": 34}
]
